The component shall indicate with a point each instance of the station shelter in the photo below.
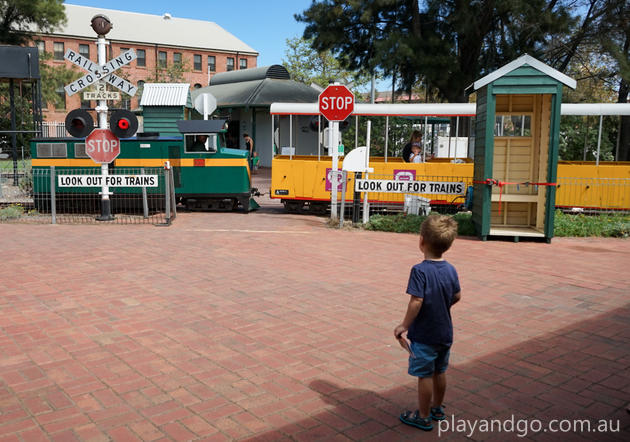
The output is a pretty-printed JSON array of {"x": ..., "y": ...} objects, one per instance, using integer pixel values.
[
  {"x": 244, "y": 98},
  {"x": 516, "y": 149}
]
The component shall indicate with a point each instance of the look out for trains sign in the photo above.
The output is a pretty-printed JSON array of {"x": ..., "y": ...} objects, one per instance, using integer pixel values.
[
  {"x": 102, "y": 146},
  {"x": 336, "y": 102}
]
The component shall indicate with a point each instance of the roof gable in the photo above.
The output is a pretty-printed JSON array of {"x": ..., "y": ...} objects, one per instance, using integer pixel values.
[{"x": 522, "y": 61}]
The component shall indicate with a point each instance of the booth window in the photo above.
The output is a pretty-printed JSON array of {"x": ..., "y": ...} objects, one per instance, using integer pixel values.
[
  {"x": 195, "y": 143},
  {"x": 513, "y": 126}
]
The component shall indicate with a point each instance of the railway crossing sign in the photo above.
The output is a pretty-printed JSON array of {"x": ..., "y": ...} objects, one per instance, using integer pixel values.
[
  {"x": 336, "y": 102},
  {"x": 102, "y": 146},
  {"x": 104, "y": 72}
]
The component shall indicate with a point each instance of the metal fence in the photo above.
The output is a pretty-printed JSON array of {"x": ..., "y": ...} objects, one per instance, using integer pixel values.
[
  {"x": 594, "y": 195},
  {"x": 73, "y": 196},
  {"x": 449, "y": 194}
]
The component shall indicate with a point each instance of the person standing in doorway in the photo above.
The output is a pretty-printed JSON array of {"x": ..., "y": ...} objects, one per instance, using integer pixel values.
[{"x": 253, "y": 156}]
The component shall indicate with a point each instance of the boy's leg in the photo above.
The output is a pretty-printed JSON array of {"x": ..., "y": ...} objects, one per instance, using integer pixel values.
[
  {"x": 425, "y": 390},
  {"x": 439, "y": 389}
]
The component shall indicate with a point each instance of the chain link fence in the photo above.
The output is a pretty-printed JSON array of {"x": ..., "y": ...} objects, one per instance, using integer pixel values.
[{"x": 73, "y": 196}]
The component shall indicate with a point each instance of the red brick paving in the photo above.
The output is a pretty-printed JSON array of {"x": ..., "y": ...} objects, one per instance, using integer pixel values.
[{"x": 269, "y": 326}]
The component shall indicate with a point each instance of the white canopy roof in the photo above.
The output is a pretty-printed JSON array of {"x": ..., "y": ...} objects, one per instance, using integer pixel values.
[{"x": 441, "y": 109}]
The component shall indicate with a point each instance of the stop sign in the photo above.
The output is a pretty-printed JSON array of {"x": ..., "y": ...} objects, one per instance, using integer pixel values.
[
  {"x": 336, "y": 102},
  {"x": 102, "y": 146}
]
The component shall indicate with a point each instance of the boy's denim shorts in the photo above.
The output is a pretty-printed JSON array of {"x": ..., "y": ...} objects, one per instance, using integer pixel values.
[{"x": 428, "y": 360}]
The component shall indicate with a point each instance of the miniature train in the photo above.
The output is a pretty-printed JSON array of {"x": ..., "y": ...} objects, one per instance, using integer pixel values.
[{"x": 206, "y": 174}]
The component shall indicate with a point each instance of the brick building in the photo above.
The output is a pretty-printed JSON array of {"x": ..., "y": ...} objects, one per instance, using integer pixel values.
[{"x": 203, "y": 48}]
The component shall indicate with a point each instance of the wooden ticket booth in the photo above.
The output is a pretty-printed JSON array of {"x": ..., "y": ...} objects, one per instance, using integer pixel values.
[{"x": 516, "y": 149}]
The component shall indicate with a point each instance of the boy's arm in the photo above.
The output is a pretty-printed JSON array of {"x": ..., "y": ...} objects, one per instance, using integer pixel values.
[
  {"x": 456, "y": 297},
  {"x": 413, "y": 308}
]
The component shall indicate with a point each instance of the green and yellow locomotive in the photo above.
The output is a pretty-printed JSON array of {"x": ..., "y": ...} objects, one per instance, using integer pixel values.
[{"x": 206, "y": 174}]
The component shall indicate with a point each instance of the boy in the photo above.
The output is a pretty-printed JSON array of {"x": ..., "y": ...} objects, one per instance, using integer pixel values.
[{"x": 433, "y": 288}]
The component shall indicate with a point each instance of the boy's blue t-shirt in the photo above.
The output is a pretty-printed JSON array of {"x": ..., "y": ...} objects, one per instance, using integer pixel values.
[{"x": 435, "y": 282}]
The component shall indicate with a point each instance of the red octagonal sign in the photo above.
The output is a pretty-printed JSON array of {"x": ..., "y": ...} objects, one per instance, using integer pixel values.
[
  {"x": 102, "y": 146},
  {"x": 336, "y": 102}
]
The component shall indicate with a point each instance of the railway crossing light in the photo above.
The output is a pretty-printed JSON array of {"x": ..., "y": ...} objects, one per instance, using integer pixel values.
[
  {"x": 123, "y": 123},
  {"x": 79, "y": 123}
]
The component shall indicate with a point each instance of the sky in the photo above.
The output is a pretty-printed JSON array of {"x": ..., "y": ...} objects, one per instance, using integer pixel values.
[{"x": 264, "y": 25}]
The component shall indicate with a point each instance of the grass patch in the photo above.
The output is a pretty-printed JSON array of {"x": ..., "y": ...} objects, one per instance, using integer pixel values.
[
  {"x": 13, "y": 211},
  {"x": 403, "y": 223},
  {"x": 580, "y": 225},
  {"x": 604, "y": 225}
]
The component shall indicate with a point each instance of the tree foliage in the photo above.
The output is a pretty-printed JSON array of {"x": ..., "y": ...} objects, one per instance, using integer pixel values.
[
  {"x": 445, "y": 44},
  {"x": 307, "y": 65},
  {"x": 18, "y": 17}
]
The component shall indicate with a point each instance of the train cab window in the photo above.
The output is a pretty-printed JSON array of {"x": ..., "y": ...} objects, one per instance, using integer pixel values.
[
  {"x": 201, "y": 143},
  {"x": 79, "y": 150},
  {"x": 52, "y": 150}
]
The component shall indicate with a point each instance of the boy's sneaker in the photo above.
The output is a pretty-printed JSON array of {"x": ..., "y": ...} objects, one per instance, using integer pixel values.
[
  {"x": 414, "y": 419},
  {"x": 437, "y": 413}
]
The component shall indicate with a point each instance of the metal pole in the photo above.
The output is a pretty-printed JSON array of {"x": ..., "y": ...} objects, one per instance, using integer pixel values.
[
  {"x": 53, "y": 205},
  {"x": 291, "y": 147},
  {"x": 356, "y": 131},
  {"x": 424, "y": 138},
  {"x": 272, "y": 137},
  {"x": 386, "y": 136},
  {"x": 456, "y": 135},
  {"x": 599, "y": 139},
  {"x": 332, "y": 127},
  {"x": 366, "y": 208},
  {"x": 101, "y": 109},
  {"x": 13, "y": 131},
  {"x": 167, "y": 193},
  {"x": 319, "y": 137},
  {"x": 344, "y": 177},
  {"x": 145, "y": 204}
]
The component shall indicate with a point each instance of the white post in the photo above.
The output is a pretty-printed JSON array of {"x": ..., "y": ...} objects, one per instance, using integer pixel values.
[
  {"x": 333, "y": 130},
  {"x": 366, "y": 208},
  {"x": 101, "y": 110},
  {"x": 599, "y": 139},
  {"x": 291, "y": 137},
  {"x": 386, "y": 135}
]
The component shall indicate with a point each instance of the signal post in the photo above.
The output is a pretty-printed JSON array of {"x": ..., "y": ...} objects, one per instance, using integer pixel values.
[
  {"x": 102, "y": 144},
  {"x": 336, "y": 103}
]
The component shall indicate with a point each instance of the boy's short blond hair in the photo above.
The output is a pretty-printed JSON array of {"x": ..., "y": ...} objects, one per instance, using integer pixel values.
[{"x": 439, "y": 232}]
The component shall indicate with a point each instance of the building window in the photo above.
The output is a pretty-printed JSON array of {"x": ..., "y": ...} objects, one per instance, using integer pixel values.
[
  {"x": 84, "y": 51},
  {"x": 58, "y": 50},
  {"x": 123, "y": 50},
  {"x": 212, "y": 63},
  {"x": 161, "y": 59},
  {"x": 41, "y": 46},
  {"x": 85, "y": 104},
  {"x": 197, "y": 62},
  {"x": 243, "y": 63},
  {"x": 230, "y": 64},
  {"x": 177, "y": 58},
  {"x": 62, "y": 96},
  {"x": 142, "y": 58}
]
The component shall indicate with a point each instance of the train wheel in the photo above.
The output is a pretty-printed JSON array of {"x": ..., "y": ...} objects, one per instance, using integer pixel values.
[
  {"x": 294, "y": 206},
  {"x": 318, "y": 208}
]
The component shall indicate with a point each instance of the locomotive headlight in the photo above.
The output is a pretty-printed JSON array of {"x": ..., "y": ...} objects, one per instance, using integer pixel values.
[{"x": 225, "y": 125}]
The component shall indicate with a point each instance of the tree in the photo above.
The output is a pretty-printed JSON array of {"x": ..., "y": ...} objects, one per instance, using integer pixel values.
[
  {"x": 445, "y": 44},
  {"x": 307, "y": 65},
  {"x": 18, "y": 17}
]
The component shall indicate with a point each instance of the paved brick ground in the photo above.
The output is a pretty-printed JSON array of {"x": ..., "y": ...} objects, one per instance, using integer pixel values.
[{"x": 274, "y": 327}]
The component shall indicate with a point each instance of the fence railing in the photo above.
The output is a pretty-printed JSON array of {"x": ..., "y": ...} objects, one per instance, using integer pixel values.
[
  {"x": 594, "y": 194},
  {"x": 54, "y": 129},
  {"x": 73, "y": 196}
]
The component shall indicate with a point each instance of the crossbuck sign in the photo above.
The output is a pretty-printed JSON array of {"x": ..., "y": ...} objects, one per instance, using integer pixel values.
[{"x": 104, "y": 72}]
